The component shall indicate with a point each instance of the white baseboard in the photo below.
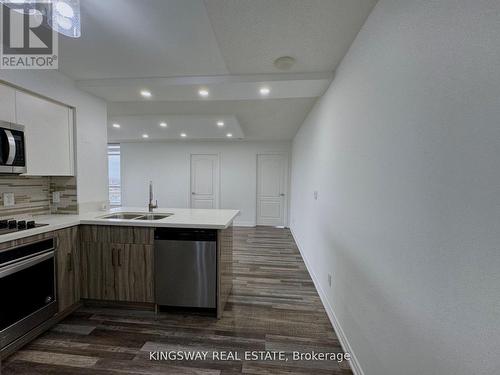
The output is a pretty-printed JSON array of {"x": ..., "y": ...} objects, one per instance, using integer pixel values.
[
  {"x": 354, "y": 362},
  {"x": 244, "y": 223}
]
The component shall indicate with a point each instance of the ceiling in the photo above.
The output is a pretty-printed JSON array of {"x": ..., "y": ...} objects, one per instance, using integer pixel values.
[
  {"x": 173, "y": 48},
  {"x": 252, "y": 34},
  {"x": 220, "y": 87},
  {"x": 173, "y": 127},
  {"x": 270, "y": 119},
  {"x": 131, "y": 38}
]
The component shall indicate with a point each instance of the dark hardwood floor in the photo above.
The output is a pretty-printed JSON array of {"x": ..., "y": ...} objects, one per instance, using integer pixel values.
[{"x": 273, "y": 307}]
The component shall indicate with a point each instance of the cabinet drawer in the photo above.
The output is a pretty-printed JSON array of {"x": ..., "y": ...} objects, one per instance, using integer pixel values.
[{"x": 117, "y": 234}]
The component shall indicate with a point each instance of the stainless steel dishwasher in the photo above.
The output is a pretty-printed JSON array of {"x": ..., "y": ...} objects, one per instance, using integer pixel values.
[{"x": 185, "y": 267}]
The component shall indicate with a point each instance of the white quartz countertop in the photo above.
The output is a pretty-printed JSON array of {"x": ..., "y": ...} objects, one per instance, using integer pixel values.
[{"x": 180, "y": 218}]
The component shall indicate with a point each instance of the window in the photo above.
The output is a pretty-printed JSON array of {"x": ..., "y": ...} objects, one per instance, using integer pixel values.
[{"x": 115, "y": 188}]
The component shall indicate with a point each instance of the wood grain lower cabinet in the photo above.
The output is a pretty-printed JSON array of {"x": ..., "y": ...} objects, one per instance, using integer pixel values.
[
  {"x": 117, "y": 272},
  {"x": 98, "y": 281},
  {"x": 224, "y": 267},
  {"x": 134, "y": 272},
  {"x": 117, "y": 234},
  {"x": 68, "y": 268}
]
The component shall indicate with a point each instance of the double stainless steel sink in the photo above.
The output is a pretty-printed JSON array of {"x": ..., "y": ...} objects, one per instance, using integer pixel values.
[{"x": 135, "y": 216}]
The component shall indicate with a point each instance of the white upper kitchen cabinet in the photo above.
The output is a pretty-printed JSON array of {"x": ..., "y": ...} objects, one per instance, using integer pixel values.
[
  {"x": 7, "y": 103},
  {"x": 49, "y": 135}
]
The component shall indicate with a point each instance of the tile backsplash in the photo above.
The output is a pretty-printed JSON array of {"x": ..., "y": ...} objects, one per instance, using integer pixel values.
[
  {"x": 68, "y": 201},
  {"x": 33, "y": 195}
]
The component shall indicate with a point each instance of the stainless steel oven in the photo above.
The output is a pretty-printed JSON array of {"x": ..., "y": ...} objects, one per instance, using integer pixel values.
[
  {"x": 12, "y": 148},
  {"x": 27, "y": 288}
]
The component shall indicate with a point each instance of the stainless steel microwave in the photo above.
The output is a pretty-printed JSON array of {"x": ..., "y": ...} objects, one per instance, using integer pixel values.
[{"x": 12, "y": 148}]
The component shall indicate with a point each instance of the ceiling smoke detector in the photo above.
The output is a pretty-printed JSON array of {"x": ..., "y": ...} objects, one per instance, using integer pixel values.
[{"x": 284, "y": 62}]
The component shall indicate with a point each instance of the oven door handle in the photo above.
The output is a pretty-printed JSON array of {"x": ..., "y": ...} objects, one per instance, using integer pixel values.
[
  {"x": 12, "y": 147},
  {"x": 19, "y": 266}
]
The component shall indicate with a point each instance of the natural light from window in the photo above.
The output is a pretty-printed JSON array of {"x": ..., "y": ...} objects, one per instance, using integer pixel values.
[{"x": 115, "y": 191}]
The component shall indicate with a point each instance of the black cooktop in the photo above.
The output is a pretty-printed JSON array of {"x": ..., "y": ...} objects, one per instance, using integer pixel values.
[{"x": 10, "y": 226}]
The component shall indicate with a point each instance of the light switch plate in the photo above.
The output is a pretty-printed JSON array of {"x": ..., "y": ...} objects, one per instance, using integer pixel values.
[
  {"x": 8, "y": 199},
  {"x": 56, "y": 197}
]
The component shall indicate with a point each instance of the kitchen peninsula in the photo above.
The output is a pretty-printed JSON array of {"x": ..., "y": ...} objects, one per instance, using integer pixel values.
[{"x": 117, "y": 257}]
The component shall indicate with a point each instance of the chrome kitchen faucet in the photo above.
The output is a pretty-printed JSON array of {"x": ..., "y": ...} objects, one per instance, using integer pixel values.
[{"x": 151, "y": 205}]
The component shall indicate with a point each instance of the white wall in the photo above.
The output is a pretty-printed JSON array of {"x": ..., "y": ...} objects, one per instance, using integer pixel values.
[
  {"x": 91, "y": 130},
  {"x": 168, "y": 165},
  {"x": 404, "y": 149}
]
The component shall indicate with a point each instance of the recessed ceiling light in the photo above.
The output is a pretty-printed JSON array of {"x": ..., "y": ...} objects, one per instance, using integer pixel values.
[
  {"x": 145, "y": 136},
  {"x": 229, "y": 135},
  {"x": 264, "y": 91},
  {"x": 220, "y": 123},
  {"x": 183, "y": 135},
  {"x": 163, "y": 124},
  {"x": 203, "y": 93},
  {"x": 117, "y": 126},
  {"x": 146, "y": 94}
]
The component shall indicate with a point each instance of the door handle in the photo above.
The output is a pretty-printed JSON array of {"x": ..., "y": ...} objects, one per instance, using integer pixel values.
[
  {"x": 70, "y": 262},
  {"x": 193, "y": 193},
  {"x": 12, "y": 147},
  {"x": 282, "y": 194},
  {"x": 19, "y": 266}
]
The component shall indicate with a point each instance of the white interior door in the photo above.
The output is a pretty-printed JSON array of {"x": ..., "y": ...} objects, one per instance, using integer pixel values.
[
  {"x": 204, "y": 181},
  {"x": 271, "y": 189}
]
